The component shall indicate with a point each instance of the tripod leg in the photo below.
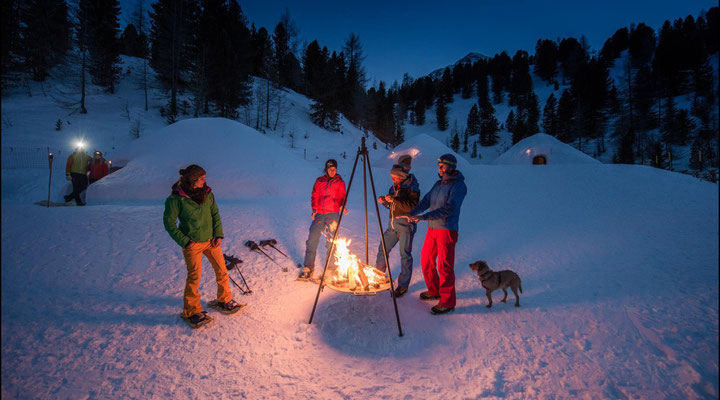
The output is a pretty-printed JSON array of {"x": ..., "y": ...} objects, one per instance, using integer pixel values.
[{"x": 382, "y": 239}]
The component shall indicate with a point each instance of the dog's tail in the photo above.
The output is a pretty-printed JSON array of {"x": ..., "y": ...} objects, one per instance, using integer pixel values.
[{"x": 520, "y": 286}]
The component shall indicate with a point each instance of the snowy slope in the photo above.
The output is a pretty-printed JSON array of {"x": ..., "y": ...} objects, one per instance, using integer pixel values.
[{"x": 618, "y": 263}]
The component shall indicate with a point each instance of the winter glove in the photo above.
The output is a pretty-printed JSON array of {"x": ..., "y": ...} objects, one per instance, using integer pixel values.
[
  {"x": 67, "y": 177},
  {"x": 216, "y": 242},
  {"x": 189, "y": 243}
]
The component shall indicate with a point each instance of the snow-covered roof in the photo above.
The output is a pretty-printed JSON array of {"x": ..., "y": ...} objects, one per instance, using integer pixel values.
[
  {"x": 555, "y": 151},
  {"x": 425, "y": 151}
]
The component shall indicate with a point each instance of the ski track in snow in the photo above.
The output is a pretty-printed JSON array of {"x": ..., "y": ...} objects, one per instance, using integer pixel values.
[{"x": 91, "y": 298}]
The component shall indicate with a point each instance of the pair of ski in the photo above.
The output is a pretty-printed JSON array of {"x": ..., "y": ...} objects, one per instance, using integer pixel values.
[
  {"x": 264, "y": 244},
  {"x": 208, "y": 319}
]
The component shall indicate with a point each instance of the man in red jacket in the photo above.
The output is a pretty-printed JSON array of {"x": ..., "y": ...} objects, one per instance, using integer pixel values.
[
  {"x": 98, "y": 167},
  {"x": 328, "y": 196}
]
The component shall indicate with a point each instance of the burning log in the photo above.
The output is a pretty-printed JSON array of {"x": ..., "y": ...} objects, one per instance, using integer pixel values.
[{"x": 363, "y": 278}]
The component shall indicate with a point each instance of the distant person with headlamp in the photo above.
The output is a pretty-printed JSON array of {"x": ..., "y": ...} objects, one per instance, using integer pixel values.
[{"x": 76, "y": 169}]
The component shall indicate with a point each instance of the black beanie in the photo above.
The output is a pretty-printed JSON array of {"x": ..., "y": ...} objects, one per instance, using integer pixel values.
[{"x": 330, "y": 163}]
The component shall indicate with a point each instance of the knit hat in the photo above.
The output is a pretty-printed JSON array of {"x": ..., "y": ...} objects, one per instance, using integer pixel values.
[
  {"x": 330, "y": 163},
  {"x": 449, "y": 160},
  {"x": 404, "y": 161},
  {"x": 191, "y": 173},
  {"x": 399, "y": 171}
]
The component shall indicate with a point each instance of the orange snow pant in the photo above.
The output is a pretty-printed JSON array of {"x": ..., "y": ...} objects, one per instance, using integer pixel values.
[{"x": 193, "y": 258}]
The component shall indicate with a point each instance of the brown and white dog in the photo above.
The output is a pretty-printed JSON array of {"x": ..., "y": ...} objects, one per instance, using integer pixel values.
[{"x": 492, "y": 281}]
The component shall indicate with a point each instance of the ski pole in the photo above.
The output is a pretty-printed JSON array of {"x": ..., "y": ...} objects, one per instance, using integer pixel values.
[
  {"x": 272, "y": 243},
  {"x": 230, "y": 263},
  {"x": 254, "y": 247}
]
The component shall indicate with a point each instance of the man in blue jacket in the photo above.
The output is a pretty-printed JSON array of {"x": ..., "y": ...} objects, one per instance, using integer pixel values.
[{"x": 443, "y": 203}]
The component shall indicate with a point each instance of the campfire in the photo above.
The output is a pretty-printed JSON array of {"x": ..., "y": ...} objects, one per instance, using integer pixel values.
[{"x": 351, "y": 275}]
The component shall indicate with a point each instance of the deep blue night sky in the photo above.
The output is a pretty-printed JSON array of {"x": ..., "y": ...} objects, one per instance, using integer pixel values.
[{"x": 418, "y": 37}]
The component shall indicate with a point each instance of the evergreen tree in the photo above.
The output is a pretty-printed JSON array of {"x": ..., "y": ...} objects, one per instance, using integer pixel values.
[
  {"x": 546, "y": 53},
  {"x": 45, "y": 32},
  {"x": 446, "y": 88},
  {"x": 625, "y": 154},
  {"x": 668, "y": 122},
  {"x": 465, "y": 141},
  {"x": 326, "y": 107},
  {"x": 171, "y": 44},
  {"x": 140, "y": 22},
  {"x": 286, "y": 64},
  {"x": 314, "y": 65},
  {"x": 500, "y": 72},
  {"x": 566, "y": 117},
  {"x": 614, "y": 46},
  {"x": 10, "y": 26},
  {"x": 474, "y": 151},
  {"x": 129, "y": 41},
  {"x": 354, "y": 87},
  {"x": 645, "y": 118},
  {"x": 473, "y": 121},
  {"x": 571, "y": 56},
  {"x": 488, "y": 125},
  {"x": 641, "y": 44},
  {"x": 224, "y": 51},
  {"x": 455, "y": 143},
  {"x": 533, "y": 114},
  {"x": 262, "y": 49},
  {"x": 103, "y": 44},
  {"x": 685, "y": 128},
  {"x": 520, "y": 80},
  {"x": 550, "y": 117},
  {"x": 510, "y": 122},
  {"x": 419, "y": 112},
  {"x": 482, "y": 91},
  {"x": 441, "y": 113}
]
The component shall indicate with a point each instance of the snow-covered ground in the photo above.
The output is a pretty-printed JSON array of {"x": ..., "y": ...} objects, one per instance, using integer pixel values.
[{"x": 618, "y": 264}]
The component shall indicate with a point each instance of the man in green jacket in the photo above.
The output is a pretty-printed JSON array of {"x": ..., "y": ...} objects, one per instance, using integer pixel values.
[{"x": 199, "y": 232}]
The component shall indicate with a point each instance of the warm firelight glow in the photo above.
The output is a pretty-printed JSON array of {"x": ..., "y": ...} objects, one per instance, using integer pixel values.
[
  {"x": 413, "y": 153},
  {"x": 352, "y": 274}
]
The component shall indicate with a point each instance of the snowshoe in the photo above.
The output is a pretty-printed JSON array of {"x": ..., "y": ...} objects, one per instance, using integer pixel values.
[
  {"x": 231, "y": 307},
  {"x": 306, "y": 274},
  {"x": 197, "y": 320}
]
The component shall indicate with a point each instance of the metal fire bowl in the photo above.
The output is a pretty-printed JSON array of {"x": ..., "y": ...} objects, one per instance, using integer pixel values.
[{"x": 359, "y": 291}]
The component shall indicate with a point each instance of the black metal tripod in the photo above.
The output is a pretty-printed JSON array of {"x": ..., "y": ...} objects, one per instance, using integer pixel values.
[{"x": 362, "y": 151}]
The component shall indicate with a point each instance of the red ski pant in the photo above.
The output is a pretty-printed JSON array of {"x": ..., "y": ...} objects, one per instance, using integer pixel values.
[
  {"x": 440, "y": 276},
  {"x": 193, "y": 258}
]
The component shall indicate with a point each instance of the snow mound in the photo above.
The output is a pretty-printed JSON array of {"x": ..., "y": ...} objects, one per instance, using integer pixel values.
[
  {"x": 541, "y": 144},
  {"x": 425, "y": 151},
  {"x": 224, "y": 148}
]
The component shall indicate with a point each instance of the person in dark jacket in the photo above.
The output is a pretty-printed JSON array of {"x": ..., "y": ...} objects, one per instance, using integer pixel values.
[
  {"x": 403, "y": 195},
  {"x": 199, "y": 232},
  {"x": 98, "y": 167},
  {"x": 443, "y": 203},
  {"x": 76, "y": 170},
  {"x": 327, "y": 198}
]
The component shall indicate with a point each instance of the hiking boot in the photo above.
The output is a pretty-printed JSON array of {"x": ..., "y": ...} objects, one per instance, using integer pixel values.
[
  {"x": 306, "y": 273},
  {"x": 67, "y": 198},
  {"x": 400, "y": 291},
  {"x": 427, "y": 296},
  {"x": 199, "y": 318},
  {"x": 438, "y": 309},
  {"x": 229, "y": 307}
]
